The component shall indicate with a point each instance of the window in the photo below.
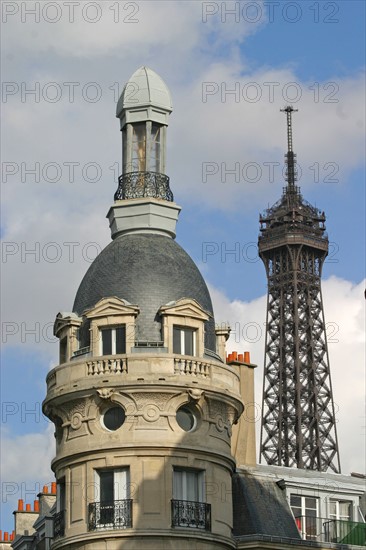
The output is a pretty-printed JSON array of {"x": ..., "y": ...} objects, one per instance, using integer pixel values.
[
  {"x": 186, "y": 419},
  {"x": 155, "y": 147},
  {"x": 340, "y": 513},
  {"x": 305, "y": 511},
  {"x": 113, "y": 510},
  {"x": 59, "y": 517},
  {"x": 184, "y": 340},
  {"x": 63, "y": 350},
  {"x": 139, "y": 147},
  {"x": 188, "y": 485},
  {"x": 113, "y": 340},
  {"x": 188, "y": 508},
  {"x": 113, "y": 418},
  {"x": 340, "y": 509},
  {"x": 61, "y": 495}
]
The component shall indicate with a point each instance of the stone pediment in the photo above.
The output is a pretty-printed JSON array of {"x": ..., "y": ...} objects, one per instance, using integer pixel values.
[
  {"x": 111, "y": 306},
  {"x": 185, "y": 307},
  {"x": 65, "y": 319}
]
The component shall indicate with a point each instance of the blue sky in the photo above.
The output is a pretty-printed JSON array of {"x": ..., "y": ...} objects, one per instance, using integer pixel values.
[{"x": 321, "y": 58}]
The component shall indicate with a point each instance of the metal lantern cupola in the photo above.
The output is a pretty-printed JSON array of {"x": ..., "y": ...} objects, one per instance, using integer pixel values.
[
  {"x": 144, "y": 202},
  {"x": 143, "y": 109}
]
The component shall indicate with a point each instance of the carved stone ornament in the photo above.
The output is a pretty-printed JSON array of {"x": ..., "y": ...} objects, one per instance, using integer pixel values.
[
  {"x": 105, "y": 393},
  {"x": 195, "y": 394}
]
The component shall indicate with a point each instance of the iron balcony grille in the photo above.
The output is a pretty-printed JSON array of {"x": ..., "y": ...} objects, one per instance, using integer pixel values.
[
  {"x": 113, "y": 515},
  {"x": 59, "y": 524},
  {"x": 137, "y": 185},
  {"x": 331, "y": 530},
  {"x": 186, "y": 513}
]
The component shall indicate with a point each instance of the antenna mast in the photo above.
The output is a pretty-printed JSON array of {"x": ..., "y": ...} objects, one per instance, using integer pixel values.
[{"x": 291, "y": 172}]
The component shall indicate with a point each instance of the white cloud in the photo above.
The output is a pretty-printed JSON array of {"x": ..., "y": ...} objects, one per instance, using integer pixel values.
[
  {"x": 345, "y": 320},
  {"x": 25, "y": 468},
  {"x": 28, "y": 457}
]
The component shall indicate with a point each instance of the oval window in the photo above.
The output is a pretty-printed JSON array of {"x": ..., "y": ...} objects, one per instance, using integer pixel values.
[
  {"x": 114, "y": 418},
  {"x": 186, "y": 419}
]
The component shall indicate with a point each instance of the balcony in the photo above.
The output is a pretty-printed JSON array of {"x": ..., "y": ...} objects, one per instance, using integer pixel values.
[
  {"x": 138, "y": 185},
  {"x": 59, "y": 524},
  {"x": 331, "y": 530},
  {"x": 196, "y": 515},
  {"x": 114, "y": 515}
]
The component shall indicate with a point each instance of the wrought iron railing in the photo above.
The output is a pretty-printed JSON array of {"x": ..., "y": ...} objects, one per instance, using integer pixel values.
[
  {"x": 137, "y": 185},
  {"x": 59, "y": 524},
  {"x": 112, "y": 515},
  {"x": 331, "y": 530},
  {"x": 186, "y": 513}
]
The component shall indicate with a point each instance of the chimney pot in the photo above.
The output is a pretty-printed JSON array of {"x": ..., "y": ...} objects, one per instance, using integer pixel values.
[
  {"x": 6, "y": 536},
  {"x": 36, "y": 505},
  {"x": 20, "y": 505},
  {"x": 246, "y": 357},
  {"x": 53, "y": 487},
  {"x": 45, "y": 489},
  {"x": 28, "y": 508}
]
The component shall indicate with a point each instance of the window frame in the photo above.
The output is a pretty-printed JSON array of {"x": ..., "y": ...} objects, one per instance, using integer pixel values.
[
  {"x": 306, "y": 526},
  {"x": 185, "y": 330},
  {"x": 113, "y": 330}
]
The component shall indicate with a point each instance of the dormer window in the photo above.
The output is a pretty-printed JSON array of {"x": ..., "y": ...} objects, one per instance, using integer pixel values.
[
  {"x": 113, "y": 340},
  {"x": 111, "y": 320},
  {"x": 184, "y": 327},
  {"x": 184, "y": 340}
]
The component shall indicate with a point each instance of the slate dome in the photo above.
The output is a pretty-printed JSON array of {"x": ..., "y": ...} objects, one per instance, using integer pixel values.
[{"x": 147, "y": 270}]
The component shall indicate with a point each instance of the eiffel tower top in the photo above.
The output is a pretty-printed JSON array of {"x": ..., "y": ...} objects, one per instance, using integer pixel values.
[{"x": 292, "y": 218}]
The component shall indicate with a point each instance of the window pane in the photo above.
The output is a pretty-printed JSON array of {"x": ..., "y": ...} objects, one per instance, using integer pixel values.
[
  {"x": 114, "y": 418},
  {"x": 344, "y": 510},
  {"x": 178, "y": 484},
  {"x": 295, "y": 500},
  {"x": 106, "y": 487},
  {"x": 192, "y": 486},
  {"x": 176, "y": 340},
  {"x": 188, "y": 342},
  {"x": 188, "y": 485},
  {"x": 185, "y": 419},
  {"x": 155, "y": 148},
  {"x": 106, "y": 342},
  {"x": 121, "y": 484},
  {"x": 333, "y": 508},
  {"x": 139, "y": 147},
  {"x": 121, "y": 339},
  {"x": 310, "y": 503}
]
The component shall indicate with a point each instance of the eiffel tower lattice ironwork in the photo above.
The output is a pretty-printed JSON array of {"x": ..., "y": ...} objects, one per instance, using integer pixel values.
[{"x": 298, "y": 420}]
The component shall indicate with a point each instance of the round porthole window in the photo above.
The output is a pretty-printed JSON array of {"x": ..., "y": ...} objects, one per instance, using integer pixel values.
[
  {"x": 113, "y": 418},
  {"x": 186, "y": 419}
]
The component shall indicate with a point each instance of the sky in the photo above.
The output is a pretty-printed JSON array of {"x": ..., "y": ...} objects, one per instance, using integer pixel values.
[{"x": 230, "y": 67}]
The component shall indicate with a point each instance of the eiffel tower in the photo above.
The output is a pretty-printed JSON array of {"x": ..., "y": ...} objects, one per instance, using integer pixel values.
[{"x": 298, "y": 422}]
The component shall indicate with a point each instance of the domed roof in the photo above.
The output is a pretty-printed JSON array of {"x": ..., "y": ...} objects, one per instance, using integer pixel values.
[
  {"x": 147, "y": 270},
  {"x": 145, "y": 87}
]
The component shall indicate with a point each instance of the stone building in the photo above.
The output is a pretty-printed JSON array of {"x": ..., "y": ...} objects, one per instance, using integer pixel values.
[{"x": 153, "y": 450}]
